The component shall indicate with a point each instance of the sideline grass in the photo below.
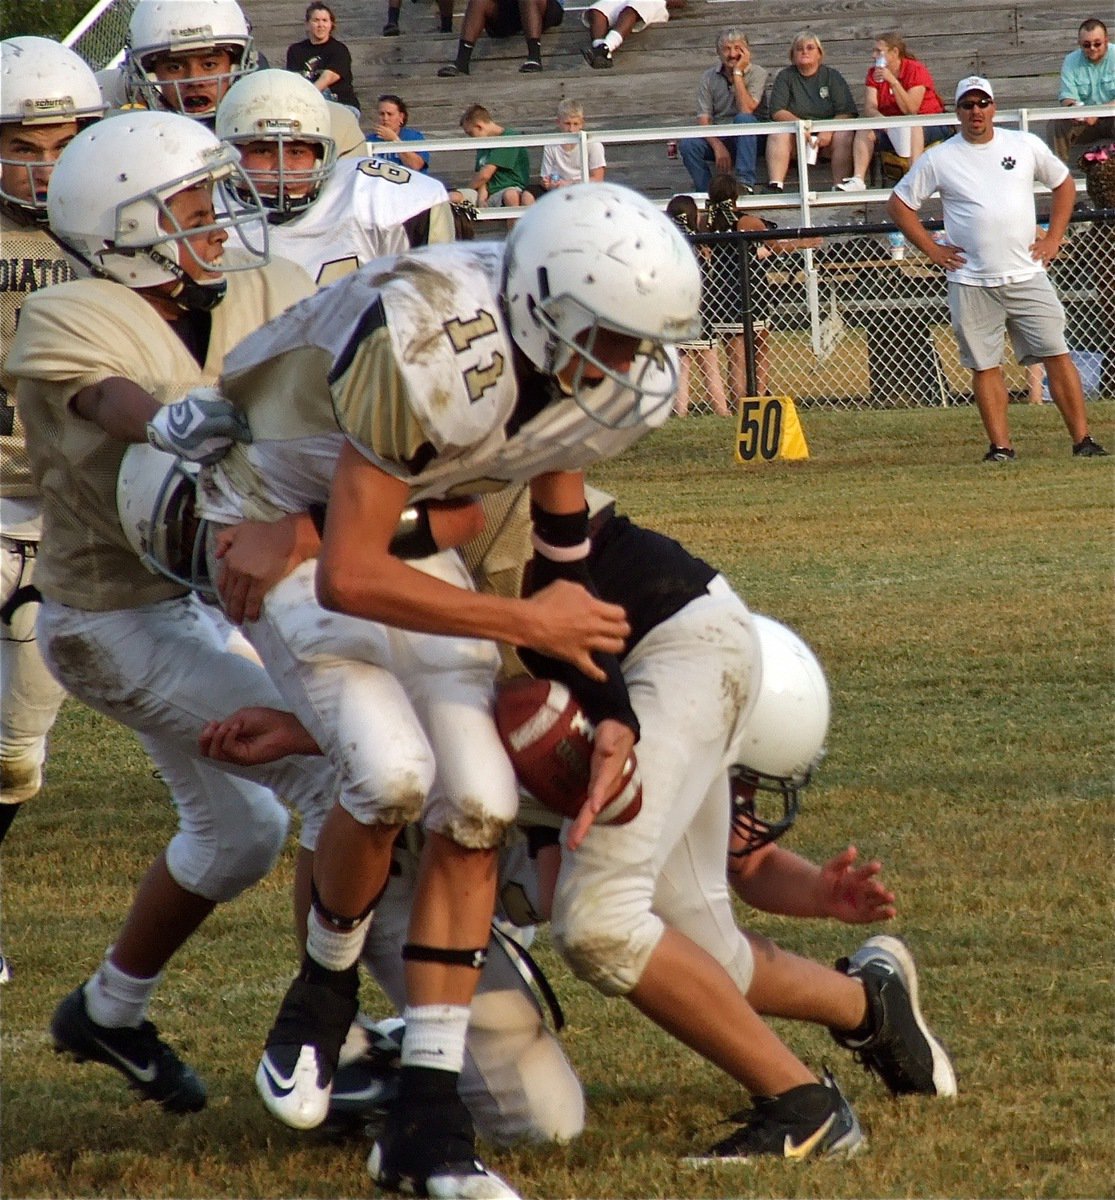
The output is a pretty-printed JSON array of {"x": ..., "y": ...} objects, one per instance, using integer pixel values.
[{"x": 964, "y": 617}]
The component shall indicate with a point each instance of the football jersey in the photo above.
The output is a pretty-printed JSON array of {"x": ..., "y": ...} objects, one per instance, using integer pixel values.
[
  {"x": 359, "y": 216},
  {"x": 411, "y": 360},
  {"x": 79, "y": 334},
  {"x": 29, "y": 261}
]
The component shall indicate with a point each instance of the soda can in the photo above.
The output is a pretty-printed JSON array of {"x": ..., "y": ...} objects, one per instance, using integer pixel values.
[{"x": 671, "y": 149}]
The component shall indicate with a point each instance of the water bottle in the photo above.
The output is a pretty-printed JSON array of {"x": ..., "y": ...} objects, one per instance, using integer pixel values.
[
  {"x": 897, "y": 244},
  {"x": 880, "y": 64}
]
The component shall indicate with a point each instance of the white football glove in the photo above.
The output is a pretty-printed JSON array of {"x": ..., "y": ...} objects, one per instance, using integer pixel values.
[{"x": 200, "y": 427}]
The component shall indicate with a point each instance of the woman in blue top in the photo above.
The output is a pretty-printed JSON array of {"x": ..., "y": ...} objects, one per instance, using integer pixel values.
[{"x": 391, "y": 126}]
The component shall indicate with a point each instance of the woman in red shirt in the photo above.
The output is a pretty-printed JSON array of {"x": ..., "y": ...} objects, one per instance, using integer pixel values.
[{"x": 897, "y": 85}]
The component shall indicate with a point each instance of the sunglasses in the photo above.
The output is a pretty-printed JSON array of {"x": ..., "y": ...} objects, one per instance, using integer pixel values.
[
  {"x": 968, "y": 105},
  {"x": 1092, "y": 45}
]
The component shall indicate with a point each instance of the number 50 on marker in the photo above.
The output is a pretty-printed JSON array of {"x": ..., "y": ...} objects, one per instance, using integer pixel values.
[{"x": 767, "y": 427}]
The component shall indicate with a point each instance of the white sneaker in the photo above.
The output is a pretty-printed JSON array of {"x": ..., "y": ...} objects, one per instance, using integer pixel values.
[
  {"x": 852, "y": 184},
  {"x": 368, "y": 1039}
]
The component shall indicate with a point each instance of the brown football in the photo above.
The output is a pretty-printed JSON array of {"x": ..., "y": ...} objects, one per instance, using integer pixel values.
[{"x": 549, "y": 741}]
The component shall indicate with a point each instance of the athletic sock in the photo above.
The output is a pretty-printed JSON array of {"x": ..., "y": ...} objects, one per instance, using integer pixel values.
[
  {"x": 435, "y": 1036},
  {"x": 613, "y": 40},
  {"x": 114, "y": 998},
  {"x": 534, "y": 49},
  {"x": 335, "y": 949},
  {"x": 464, "y": 54}
]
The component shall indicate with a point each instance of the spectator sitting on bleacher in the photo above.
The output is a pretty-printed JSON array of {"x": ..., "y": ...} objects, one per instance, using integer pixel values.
[
  {"x": 897, "y": 85},
  {"x": 501, "y": 176},
  {"x": 561, "y": 164},
  {"x": 1087, "y": 77},
  {"x": 502, "y": 19},
  {"x": 610, "y": 21},
  {"x": 323, "y": 60},
  {"x": 808, "y": 90},
  {"x": 734, "y": 90},
  {"x": 391, "y": 126}
]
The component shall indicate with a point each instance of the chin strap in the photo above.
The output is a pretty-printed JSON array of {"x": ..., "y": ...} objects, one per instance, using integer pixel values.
[{"x": 189, "y": 295}]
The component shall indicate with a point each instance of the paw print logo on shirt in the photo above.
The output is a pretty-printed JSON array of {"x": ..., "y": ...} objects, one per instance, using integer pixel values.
[{"x": 1008, "y": 163}]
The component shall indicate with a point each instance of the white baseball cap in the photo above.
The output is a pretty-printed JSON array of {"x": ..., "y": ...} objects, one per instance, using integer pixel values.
[{"x": 973, "y": 83}]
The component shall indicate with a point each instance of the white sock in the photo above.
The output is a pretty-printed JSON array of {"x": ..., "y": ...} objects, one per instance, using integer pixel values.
[
  {"x": 435, "y": 1036},
  {"x": 613, "y": 40},
  {"x": 335, "y": 949},
  {"x": 114, "y": 998}
]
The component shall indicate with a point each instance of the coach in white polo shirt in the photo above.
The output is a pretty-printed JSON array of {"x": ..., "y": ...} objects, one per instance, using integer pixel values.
[{"x": 995, "y": 258}]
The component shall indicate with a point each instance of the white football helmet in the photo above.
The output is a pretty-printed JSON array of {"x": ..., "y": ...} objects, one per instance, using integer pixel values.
[
  {"x": 599, "y": 256},
  {"x": 280, "y": 107},
  {"x": 107, "y": 201},
  {"x": 42, "y": 82},
  {"x": 784, "y": 735},
  {"x": 155, "y": 500},
  {"x": 161, "y": 27}
]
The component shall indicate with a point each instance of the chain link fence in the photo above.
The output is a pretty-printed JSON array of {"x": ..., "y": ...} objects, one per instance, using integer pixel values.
[
  {"x": 100, "y": 37},
  {"x": 856, "y": 318}
]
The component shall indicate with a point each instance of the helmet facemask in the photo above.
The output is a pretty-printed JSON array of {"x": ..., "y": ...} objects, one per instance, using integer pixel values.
[
  {"x": 283, "y": 192},
  {"x": 156, "y": 497},
  {"x": 763, "y": 807},
  {"x": 186, "y": 96},
  {"x": 572, "y": 334}
]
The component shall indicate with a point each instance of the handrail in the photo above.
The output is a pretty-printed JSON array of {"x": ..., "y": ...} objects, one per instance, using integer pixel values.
[{"x": 803, "y": 199}]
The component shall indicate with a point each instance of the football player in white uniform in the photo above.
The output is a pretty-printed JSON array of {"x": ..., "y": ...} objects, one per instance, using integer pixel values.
[
  {"x": 516, "y": 1082},
  {"x": 184, "y": 55},
  {"x": 729, "y": 704},
  {"x": 330, "y": 217},
  {"x": 47, "y": 93},
  {"x": 95, "y": 360},
  {"x": 445, "y": 371}
]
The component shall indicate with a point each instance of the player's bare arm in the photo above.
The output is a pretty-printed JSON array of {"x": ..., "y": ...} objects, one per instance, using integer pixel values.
[
  {"x": 774, "y": 879},
  {"x": 358, "y": 574},
  {"x": 256, "y": 555},
  {"x": 118, "y": 406}
]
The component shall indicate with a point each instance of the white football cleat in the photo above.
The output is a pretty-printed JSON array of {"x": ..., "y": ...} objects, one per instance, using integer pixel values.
[
  {"x": 295, "y": 1075},
  {"x": 295, "y": 1085}
]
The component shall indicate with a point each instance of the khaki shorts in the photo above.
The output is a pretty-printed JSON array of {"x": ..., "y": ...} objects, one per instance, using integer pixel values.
[{"x": 1029, "y": 311}]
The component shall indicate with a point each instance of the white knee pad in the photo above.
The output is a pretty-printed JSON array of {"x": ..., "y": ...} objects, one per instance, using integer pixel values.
[
  {"x": 609, "y": 953},
  {"x": 219, "y": 867},
  {"x": 396, "y": 796}
]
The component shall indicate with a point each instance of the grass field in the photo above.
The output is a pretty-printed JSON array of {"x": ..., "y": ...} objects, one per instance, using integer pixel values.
[{"x": 964, "y": 617}]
